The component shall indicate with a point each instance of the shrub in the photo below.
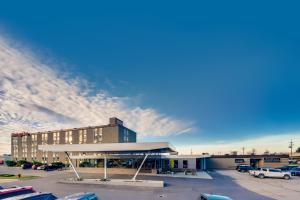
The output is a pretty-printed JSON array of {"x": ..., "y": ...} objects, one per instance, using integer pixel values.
[
  {"x": 85, "y": 164},
  {"x": 6, "y": 175},
  {"x": 11, "y": 163},
  {"x": 21, "y": 162},
  {"x": 36, "y": 163}
]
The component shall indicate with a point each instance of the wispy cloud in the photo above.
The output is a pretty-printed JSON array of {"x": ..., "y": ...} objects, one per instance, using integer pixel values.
[{"x": 35, "y": 97}]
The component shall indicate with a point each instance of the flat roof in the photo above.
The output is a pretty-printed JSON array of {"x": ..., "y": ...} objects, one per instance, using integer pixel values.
[
  {"x": 112, "y": 148},
  {"x": 185, "y": 156}
]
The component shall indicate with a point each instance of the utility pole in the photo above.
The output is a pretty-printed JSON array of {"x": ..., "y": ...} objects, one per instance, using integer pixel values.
[
  {"x": 243, "y": 150},
  {"x": 291, "y": 147}
]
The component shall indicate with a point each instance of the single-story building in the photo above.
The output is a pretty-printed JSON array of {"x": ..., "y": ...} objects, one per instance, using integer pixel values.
[{"x": 232, "y": 161}]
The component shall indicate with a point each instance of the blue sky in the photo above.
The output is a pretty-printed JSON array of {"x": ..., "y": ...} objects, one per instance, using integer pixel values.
[{"x": 231, "y": 68}]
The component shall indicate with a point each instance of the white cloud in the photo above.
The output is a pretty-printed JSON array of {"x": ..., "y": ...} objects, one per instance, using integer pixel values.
[
  {"x": 273, "y": 143},
  {"x": 34, "y": 97}
]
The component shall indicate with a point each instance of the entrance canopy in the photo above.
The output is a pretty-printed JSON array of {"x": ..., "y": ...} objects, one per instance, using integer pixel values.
[{"x": 112, "y": 148}]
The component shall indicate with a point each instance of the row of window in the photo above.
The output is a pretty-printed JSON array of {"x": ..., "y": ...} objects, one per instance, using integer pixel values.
[{"x": 97, "y": 138}]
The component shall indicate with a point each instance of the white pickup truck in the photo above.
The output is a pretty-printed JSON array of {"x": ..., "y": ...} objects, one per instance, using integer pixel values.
[{"x": 270, "y": 172}]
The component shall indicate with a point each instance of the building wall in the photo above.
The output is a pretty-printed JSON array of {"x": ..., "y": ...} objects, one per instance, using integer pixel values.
[
  {"x": 112, "y": 133},
  {"x": 225, "y": 163}
]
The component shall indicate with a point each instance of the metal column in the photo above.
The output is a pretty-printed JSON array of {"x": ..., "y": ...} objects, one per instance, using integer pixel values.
[
  {"x": 70, "y": 161},
  {"x": 140, "y": 167},
  {"x": 105, "y": 167}
]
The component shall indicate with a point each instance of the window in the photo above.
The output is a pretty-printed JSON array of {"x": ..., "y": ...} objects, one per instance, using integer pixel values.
[
  {"x": 82, "y": 136},
  {"x": 56, "y": 138},
  {"x": 44, "y": 138},
  {"x": 175, "y": 164},
  {"x": 55, "y": 157},
  {"x": 272, "y": 160},
  {"x": 97, "y": 135},
  {"x": 239, "y": 160},
  {"x": 68, "y": 138},
  {"x": 15, "y": 147},
  {"x": 125, "y": 135},
  {"x": 184, "y": 164},
  {"x": 33, "y": 146},
  {"x": 24, "y": 147}
]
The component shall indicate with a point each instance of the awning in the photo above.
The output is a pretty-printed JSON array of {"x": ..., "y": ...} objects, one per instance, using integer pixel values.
[{"x": 111, "y": 148}]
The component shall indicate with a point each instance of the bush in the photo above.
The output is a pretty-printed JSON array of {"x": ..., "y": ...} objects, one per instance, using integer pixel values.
[
  {"x": 11, "y": 163},
  {"x": 21, "y": 162},
  {"x": 6, "y": 175},
  {"x": 36, "y": 163},
  {"x": 85, "y": 164}
]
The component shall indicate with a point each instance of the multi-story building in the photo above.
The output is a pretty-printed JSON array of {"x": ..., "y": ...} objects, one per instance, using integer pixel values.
[{"x": 24, "y": 146}]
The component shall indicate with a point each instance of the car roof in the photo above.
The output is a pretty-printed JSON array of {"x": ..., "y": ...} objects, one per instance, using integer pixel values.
[
  {"x": 15, "y": 189},
  {"x": 215, "y": 197},
  {"x": 78, "y": 195},
  {"x": 35, "y": 194}
]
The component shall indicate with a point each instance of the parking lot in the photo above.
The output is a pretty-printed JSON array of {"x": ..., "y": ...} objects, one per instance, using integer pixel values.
[
  {"x": 271, "y": 187},
  {"x": 176, "y": 188}
]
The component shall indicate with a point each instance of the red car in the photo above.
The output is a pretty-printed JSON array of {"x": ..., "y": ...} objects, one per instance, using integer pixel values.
[{"x": 11, "y": 192}]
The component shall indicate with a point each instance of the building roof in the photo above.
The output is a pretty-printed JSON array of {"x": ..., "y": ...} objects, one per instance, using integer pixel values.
[
  {"x": 186, "y": 156},
  {"x": 251, "y": 156},
  {"x": 112, "y": 148}
]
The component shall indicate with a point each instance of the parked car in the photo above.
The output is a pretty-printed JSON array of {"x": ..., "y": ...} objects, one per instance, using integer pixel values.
[
  {"x": 295, "y": 171},
  {"x": 15, "y": 191},
  {"x": 271, "y": 173},
  {"x": 35, "y": 166},
  {"x": 81, "y": 196},
  {"x": 287, "y": 167},
  {"x": 58, "y": 165},
  {"x": 213, "y": 197},
  {"x": 42, "y": 167},
  {"x": 26, "y": 166},
  {"x": 244, "y": 168},
  {"x": 34, "y": 196}
]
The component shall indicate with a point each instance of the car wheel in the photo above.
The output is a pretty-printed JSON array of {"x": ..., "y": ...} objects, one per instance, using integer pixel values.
[
  {"x": 286, "y": 177},
  {"x": 261, "y": 176}
]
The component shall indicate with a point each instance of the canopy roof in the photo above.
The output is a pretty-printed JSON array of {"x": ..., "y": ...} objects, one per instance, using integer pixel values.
[{"x": 112, "y": 148}]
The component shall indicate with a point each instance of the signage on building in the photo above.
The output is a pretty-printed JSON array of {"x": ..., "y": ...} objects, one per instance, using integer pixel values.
[{"x": 21, "y": 134}]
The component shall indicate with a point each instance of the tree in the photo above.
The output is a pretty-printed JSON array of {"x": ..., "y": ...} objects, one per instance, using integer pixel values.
[
  {"x": 267, "y": 152},
  {"x": 298, "y": 150}
]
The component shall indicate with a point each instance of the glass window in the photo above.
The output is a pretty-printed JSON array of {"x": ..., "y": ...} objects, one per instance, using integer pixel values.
[
  {"x": 68, "y": 137},
  {"x": 44, "y": 138},
  {"x": 185, "y": 164},
  {"x": 82, "y": 136},
  {"x": 56, "y": 137},
  {"x": 97, "y": 135}
]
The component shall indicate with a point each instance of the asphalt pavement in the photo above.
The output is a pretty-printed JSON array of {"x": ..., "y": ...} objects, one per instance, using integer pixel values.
[{"x": 175, "y": 188}]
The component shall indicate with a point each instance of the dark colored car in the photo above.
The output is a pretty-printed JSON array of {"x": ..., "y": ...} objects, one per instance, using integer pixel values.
[
  {"x": 12, "y": 192},
  {"x": 34, "y": 196},
  {"x": 50, "y": 168},
  {"x": 287, "y": 167},
  {"x": 59, "y": 165},
  {"x": 244, "y": 168},
  {"x": 27, "y": 166},
  {"x": 295, "y": 171}
]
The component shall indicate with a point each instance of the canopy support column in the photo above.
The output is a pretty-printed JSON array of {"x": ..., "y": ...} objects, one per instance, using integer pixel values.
[
  {"x": 78, "y": 177},
  {"x": 105, "y": 167},
  {"x": 140, "y": 167}
]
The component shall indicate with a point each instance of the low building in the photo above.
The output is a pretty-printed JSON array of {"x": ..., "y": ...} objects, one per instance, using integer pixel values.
[{"x": 232, "y": 161}]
